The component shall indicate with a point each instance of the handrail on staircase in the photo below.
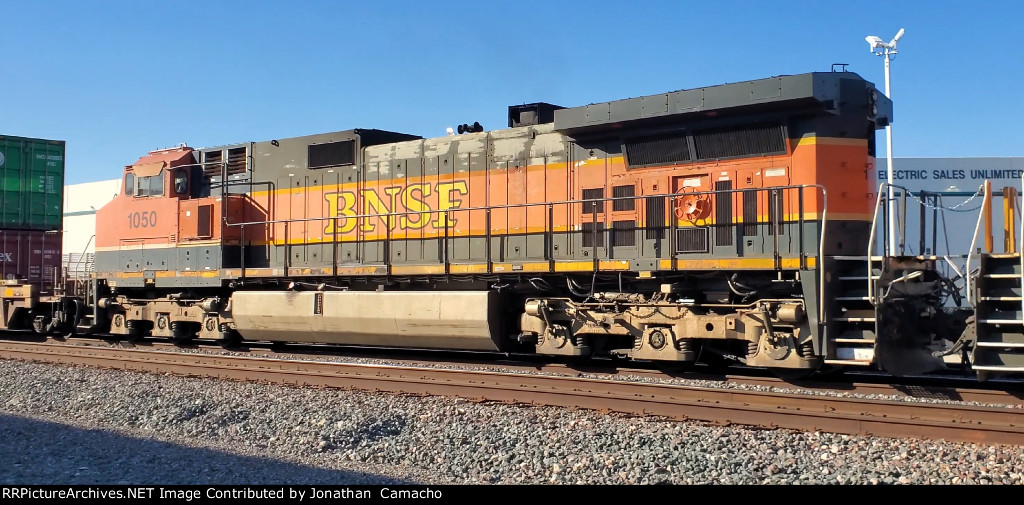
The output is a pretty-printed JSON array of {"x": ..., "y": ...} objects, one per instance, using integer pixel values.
[
  {"x": 986, "y": 206},
  {"x": 884, "y": 189},
  {"x": 870, "y": 242}
]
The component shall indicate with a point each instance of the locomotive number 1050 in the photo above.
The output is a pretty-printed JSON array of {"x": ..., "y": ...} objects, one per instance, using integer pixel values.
[{"x": 142, "y": 219}]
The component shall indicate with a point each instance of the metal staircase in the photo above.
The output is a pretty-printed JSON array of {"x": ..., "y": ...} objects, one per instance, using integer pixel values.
[
  {"x": 998, "y": 292},
  {"x": 854, "y": 324},
  {"x": 885, "y": 304},
  {"x": 999, "y": 315},
  {"x": 880, "y": 300}
]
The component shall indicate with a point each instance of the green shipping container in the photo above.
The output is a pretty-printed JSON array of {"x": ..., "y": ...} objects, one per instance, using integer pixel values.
[{"x": 31, "y": 183}]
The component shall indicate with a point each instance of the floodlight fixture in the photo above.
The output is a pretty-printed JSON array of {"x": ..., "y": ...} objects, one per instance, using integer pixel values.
[
  {"x": 896, "y": 39},
  {"x": 874, "y": 42}
]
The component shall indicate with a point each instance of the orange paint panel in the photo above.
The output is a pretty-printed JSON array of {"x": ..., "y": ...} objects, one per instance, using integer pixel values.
[
  {"x": 517, "y": 194},
  {"x": 430, "y": 206},
  {"x": 418, "y": 200},
  {"x": 134, "y": 222},
  {"x": 127, "y": 220},
  {"x": 417, "y": 269},
  {"x": 468, "y": 268},
  {"x": 844, "y": 169}
]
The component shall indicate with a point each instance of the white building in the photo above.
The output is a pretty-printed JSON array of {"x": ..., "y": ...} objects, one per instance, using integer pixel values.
[
  {"x": 950, "y": 229},
  {"x": 80, "y": 204}
]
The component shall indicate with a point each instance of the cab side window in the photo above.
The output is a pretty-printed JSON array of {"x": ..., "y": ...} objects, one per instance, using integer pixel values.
[
  {"x": 180, "y": 181},
  {"x": 150, "y": 186},
  {"x": 129, "y": 184}
]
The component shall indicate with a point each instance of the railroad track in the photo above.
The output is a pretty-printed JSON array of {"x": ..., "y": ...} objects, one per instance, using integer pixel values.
[
  {"x": 930, "y": 388},
  {"x": 798, "y": 411}
]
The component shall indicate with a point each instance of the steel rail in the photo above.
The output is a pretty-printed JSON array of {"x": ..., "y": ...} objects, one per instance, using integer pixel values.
[
  {"x": 844, "y": 415},
  {"x": 929, "y": 388}
]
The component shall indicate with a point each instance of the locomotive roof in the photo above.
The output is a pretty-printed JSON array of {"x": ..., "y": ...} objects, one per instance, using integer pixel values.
[
  {"x": 368, "y": 137},
  {"x": 151, "y": 163},
  {"x": 820, "y": 91}
]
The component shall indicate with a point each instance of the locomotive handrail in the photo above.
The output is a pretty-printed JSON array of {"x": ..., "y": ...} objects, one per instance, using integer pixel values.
[
  {"x": 444, "y": 236},
  {"x": 884, "y": 190},
  {"x": 223, "y": 165},
  {"x": 79, "y": 277},
  {"x": 821, "y": 255},
  {"x": 517, "y": 205},
  {"x": 874, "y": 220},
  {"x": 985, "y": 203},
  {"x": 871, "y": 242},
  {"x": 392, "y": 215},
  {"x": 549, "y": 225}
]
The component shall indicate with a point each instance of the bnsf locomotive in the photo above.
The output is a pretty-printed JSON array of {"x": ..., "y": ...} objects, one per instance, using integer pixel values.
[{"x": 729, "y": 220}]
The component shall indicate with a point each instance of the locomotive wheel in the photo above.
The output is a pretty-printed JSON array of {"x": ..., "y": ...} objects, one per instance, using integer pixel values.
[
  {"x": 675, "y": 367},
  {"x": 585, "y": 342},
  {"x": 183, "y": 332},
  {"x": 831, "y": 371},
  {"x": 713, "y": 357},
  {"x": 137, "y": 330},
  {"x": 792, "y": 374},
  {"x": 582, "y": 359},
  {"x": 679, "y": 367},
  {"x": 229, "y": 339},
  {"x": 64, "y": 335},
  {"x": 182, "y": 341}
]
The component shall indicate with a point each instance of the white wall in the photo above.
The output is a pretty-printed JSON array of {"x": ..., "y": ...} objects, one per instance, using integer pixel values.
[{"x": 80, "y": 204}]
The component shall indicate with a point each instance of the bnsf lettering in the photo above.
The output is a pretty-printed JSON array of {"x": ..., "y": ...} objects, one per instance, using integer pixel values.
[
  {"x": 413, "y": 198},
  {"x": 142, "y": 219}
]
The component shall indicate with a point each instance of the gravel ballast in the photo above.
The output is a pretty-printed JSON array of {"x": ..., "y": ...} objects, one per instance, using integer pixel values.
[
  {"x": 623, "y": 376},
  {"x": 67, "y": 425}
]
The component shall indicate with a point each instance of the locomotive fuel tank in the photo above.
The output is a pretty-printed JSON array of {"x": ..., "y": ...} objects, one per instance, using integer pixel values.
[{"x": 424, "y": 319}]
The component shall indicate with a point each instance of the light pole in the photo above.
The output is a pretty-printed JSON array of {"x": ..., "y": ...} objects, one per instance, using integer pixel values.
[{"x": 877, "y": 46}]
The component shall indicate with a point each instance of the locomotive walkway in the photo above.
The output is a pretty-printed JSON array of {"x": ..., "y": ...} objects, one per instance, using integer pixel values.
[{"x": 797, "y": 410}]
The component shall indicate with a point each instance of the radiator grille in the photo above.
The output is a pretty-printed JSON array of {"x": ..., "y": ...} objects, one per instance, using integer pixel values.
[
  {"x": 661, "y": 150},
  {"x": 212, "y": 163},
  {"x": 732, "y": 142},
  {"x": 236, "y": 161},
  {"x": 723, "y": 213},
  {"x": 331, "y": 154},
  {"x": 655, "y": 218},
  {"x": 749, "y": 213},
  {"x": 623, "y": 192},
  {"x": 624, "y": 233},
  {"x": 589, "y": 235},
  {"x": 593, "y": 194},
  {"x": 692, "y": 240}
]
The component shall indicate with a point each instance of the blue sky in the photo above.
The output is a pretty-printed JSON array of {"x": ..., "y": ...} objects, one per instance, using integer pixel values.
[{"x": 118, "y": 78}]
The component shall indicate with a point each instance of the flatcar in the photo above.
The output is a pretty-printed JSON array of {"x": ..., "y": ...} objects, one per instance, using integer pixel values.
[{"x": 732, "y": 220}]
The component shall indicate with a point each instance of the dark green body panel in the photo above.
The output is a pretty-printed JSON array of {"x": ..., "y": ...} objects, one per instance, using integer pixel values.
[{"x": 31, "y": 183}]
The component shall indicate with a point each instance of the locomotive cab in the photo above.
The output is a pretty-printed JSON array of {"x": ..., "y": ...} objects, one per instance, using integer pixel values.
[{"x": 162, "y": 230}]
